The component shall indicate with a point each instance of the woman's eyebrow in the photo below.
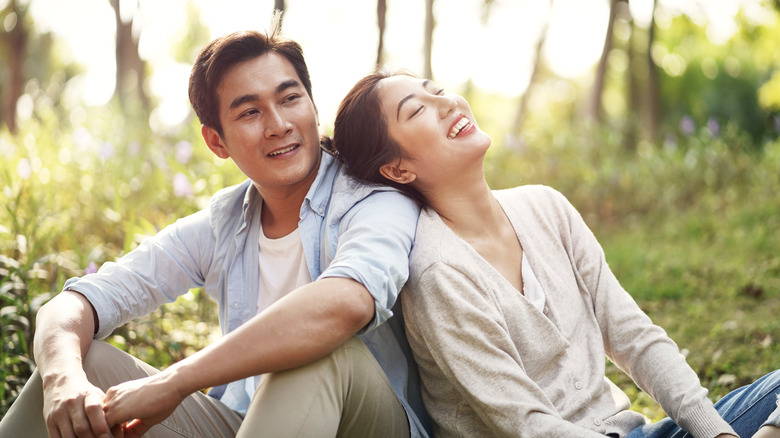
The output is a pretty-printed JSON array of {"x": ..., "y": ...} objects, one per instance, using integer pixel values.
[{"x": 403, "y": 101}]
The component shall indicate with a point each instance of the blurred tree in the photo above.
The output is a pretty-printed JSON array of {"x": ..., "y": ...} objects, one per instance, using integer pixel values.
[
  {"x": 130, "y": 68},
  {"x": 517, "y": 126},
  {"x": 652, "y": 117},
  {"x": 381, "y": 15},
  {"x": 430, "y": 23},
  {"x": 594, "y": 109},
  {"x": 15, "y": 38}
]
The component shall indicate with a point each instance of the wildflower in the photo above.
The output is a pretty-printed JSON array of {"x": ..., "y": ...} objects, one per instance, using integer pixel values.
[
  {"x": 713, "y": 126},
  {"x": 91, "y": 268},
  {"x": 687, "y": 125},
  {"x": 183, "y": 151},
  {"x": 24, "y": 169},
  {"x": 181, "y": 185}
]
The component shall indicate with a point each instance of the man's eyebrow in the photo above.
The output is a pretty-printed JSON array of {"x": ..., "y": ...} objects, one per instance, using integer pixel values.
[
  {"x": 287, "y": 84},
  {"x": 403, "y": 101},
  {"x": 238, "y": 101},
  {"x": 290, "y": 83}
]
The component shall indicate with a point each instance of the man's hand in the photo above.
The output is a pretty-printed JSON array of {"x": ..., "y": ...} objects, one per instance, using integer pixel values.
[
  {"x": 73, "y": 407},
  {"x": 137, "y": 405}
]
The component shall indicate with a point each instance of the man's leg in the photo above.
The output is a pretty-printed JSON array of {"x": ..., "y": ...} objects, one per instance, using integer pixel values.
[
  {"x": 198, "y": 416},
  {"x": 344, "y": 394}
]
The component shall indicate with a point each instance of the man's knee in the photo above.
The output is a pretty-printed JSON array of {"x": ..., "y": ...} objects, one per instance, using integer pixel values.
[{"x": 106, "y": 366}]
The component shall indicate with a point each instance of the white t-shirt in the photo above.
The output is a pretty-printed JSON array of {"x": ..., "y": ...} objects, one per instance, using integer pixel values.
[
  {"x": 282, "y": 268},
  {"x": 532, "y": 289}
]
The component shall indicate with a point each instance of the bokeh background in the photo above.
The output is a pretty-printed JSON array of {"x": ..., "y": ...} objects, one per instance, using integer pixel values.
[{"x": 658, "y": 119}]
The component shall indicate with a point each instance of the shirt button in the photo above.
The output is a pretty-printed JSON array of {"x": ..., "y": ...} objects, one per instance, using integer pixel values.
[
  {"x": 597, "y": 421},
  {"x": 578, "y": 384},
  {"x": 546, "y": 310}
]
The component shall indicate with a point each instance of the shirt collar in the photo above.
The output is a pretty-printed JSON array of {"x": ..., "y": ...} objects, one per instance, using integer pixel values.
[{"x": 316, "y": 199}]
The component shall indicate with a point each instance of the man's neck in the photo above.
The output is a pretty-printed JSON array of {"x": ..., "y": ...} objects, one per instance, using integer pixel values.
[{"x": 281, "y": 210}]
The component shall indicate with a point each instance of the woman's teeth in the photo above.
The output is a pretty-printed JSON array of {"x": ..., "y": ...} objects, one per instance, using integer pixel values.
[{"x": 458, "y": 126}]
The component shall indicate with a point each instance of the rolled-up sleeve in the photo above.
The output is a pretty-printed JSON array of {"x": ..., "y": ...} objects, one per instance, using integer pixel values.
[
  {"x": 375, "y": 239},
  {"x": 162, "y": 268}
]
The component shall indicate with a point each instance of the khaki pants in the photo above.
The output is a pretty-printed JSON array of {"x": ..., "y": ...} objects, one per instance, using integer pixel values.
[{"x": 344, "y": 394}]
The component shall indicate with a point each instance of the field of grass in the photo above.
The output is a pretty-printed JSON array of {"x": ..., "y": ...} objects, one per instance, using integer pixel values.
[{"x": 691, "y": 228}]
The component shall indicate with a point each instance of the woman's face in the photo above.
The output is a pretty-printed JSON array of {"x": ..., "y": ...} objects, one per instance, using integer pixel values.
[{"x": 435, "y": 130}]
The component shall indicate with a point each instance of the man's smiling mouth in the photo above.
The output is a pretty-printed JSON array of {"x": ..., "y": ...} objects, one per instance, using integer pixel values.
[{"x": 283, "y": 151}]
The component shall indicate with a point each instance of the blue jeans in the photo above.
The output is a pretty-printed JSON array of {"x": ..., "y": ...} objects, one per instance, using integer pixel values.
[{"x": 746, "y": 409}]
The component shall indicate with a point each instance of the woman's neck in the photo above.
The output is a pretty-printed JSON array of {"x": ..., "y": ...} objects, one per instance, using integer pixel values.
[{"x": 470, "y": 210}]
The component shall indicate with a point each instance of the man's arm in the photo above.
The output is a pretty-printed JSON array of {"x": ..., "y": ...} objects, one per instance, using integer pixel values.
[
  {"x": 71, "y": 405},
  {"x": 305, "y": 325}
]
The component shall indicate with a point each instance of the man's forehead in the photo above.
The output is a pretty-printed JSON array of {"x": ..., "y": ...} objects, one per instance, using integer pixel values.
[{"x": 269, "y": 73}]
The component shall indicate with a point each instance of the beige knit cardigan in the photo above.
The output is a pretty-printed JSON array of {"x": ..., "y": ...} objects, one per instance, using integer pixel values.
[{"x": 494, "y": 365}]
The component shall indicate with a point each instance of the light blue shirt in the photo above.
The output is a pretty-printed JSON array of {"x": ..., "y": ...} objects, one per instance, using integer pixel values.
[{"x": 348, "y": 229}]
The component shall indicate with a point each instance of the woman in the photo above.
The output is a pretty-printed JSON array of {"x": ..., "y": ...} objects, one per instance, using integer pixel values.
[{"x": 510, "y": 307}]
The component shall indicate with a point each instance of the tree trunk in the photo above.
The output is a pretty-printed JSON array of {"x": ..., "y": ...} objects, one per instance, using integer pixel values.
[
  {"x": 16, "y": 44},
  {"x": 594, "y": 110},
  {"x": 634, "y": 99},
  {"x": 523, "y": 107},
  {"x": 653, "y": 114},
  {"x": 381, "y": 15},
  {"x": 428, "y": 41},
  {"x": 130, "y": 68}
]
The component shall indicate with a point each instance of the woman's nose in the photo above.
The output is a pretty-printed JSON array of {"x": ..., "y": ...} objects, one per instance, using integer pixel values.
[{"x": 447, "y": 104}]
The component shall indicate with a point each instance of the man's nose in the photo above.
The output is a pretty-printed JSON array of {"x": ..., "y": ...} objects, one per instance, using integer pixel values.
[{"x": 277, "y": 124}]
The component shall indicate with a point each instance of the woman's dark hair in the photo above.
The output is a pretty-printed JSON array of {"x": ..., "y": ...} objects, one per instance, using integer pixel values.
[
  {"x": 360, "y": 136},
  {"x": 222, "y": 54}
]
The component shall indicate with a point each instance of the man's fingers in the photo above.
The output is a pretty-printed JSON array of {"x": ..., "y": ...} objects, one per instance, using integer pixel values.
[
  {"x": 80, "y": 423},
  {"x": 93, "y": 406}
]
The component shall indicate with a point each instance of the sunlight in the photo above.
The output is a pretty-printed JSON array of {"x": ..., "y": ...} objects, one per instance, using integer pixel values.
[{"x": 340, "y": 41}]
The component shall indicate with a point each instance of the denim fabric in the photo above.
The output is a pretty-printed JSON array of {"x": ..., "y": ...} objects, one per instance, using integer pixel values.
[
  {"x": 348, "y": 230},
  {"x": 746, "y": 409}
]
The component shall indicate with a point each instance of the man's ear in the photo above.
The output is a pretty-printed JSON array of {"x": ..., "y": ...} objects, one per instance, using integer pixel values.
[
  {"x": 396, "y": 172},
  {"x": 214, "y": 141}
]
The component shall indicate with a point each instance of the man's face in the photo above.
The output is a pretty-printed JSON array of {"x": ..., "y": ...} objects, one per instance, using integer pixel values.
[{"x": 269, "y": 124}]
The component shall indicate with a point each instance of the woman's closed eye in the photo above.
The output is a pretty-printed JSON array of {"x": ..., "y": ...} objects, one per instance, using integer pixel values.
[{"x": 439, "y": 92}]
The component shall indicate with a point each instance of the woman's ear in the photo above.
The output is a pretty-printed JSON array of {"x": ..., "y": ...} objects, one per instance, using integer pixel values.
[
  {"x": 395, "y": 172},
  {"x": 214, "y": 141}
]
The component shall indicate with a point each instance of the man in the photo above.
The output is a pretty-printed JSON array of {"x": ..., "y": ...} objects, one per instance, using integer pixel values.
[{"x": 339, "y": 248}]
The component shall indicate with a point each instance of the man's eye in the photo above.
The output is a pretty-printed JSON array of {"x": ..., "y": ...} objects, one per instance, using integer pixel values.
[
  {"x": 248, "y": 113},
  {"x": 292, "y": 97}
]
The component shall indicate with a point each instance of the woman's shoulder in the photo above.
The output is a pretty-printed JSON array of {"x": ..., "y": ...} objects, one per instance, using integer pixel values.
[
  {"x": 533, "y": 198},
  {"x": 430, "y": 237}
]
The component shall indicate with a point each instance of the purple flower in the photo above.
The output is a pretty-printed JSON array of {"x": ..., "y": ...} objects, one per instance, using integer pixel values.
[
  {"x": 713, "y": 126},
  {"x": 687, "y": 126},
  {"x": 91, "y": 268},
  {"x": 23, "y": 169},
  {"x": 181, "y": 185},
  {"x": 183, "y": 151}
]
